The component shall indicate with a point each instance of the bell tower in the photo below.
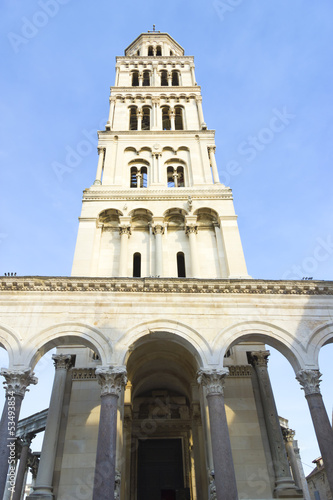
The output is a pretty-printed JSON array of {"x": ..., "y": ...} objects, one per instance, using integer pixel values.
[{"x": 157, "y": 207}]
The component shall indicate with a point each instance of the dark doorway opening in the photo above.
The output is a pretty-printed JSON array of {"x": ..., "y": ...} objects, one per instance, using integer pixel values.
[
  {"x": 137, "y": 265},
  {"x": 181, "y": 265},
  {"x": 160, "y": 469}
]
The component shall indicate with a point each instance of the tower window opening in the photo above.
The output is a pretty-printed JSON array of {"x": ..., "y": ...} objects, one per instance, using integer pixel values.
[
  {"x": 144, "y": 177},
  {"x": 145, "y": 118},
  {"x": 180, "y": 177},
  {"x": 181, "y": 265},
  {"x": 146, "y": 79},
  {"x": 135, "y": 79},
  {"x": 171, "y": 53},
  {"x": 166, "y": 122},
  {"x": 158, "y": 50},
  {"x": 137, "y": 265},
  {"x": 134, "y": 179},
  {"x": 150, "y": 50},
  {"x": 170, "y": 177},
  {"x": 138, "y": 53},
  {"x": 175, "y": 79},
  {"x": 164, "y": 78},
  {"x": 133, "y": 119},
  {"x": 179, "y": 124}
]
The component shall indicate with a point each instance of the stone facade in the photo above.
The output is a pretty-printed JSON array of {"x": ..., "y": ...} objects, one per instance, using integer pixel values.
[{"x": 161, "y": 386}]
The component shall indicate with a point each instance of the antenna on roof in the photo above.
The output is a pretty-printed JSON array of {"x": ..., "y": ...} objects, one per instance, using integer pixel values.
[{"x": 153, "y": 27}]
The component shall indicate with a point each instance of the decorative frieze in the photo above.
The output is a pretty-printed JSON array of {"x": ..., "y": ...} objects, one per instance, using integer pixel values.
[
  {"x": 240, "y": 371},
  {"x": 84, "y": 374}
]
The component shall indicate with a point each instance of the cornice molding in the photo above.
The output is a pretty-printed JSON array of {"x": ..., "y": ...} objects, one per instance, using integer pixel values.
[
  {"x": 132, "y": 59},
  {"x": 158, "y": 194},
  {"x": 160, "y": 90},
  {"x": 164, "y": 285}
]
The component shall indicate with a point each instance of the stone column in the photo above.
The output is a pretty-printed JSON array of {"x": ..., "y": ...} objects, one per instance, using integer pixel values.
[
  {"x": 101, "y": 154},
  {"x": 202, "y": 123},
  {"x": 22, "y": 468},
  {"x": 225, "y": 480},
  {"x": 112, "y": 381},
  {"x": 211, "y": 152},
  {"x": 154, "y": 82},
  {"x": 191, "y": 231},
  {"x": 125, "y": 232},
  {"x": 193, "y": 74},
  {"x": 169, "y": 78},
  {"x": 288, "y": 436},
  {"x": 175, "y": 179},
  {"x": 140, "y": 79},
  {"x": 284, "y": 484},
  {"x": 139, "y": 115},
  {"x": 158, "y": 230},
  {"x": 138, "y": 180},
  {"x": 310, "y": 381},
  {"x": 16, "y": 383},
  {"x": 172, "y": 118},
  {"x": 110, "y": 120},
  {"x": 44, "y": 487}
]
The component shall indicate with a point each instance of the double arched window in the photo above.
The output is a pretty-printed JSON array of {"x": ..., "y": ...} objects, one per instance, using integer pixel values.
[
  {"x": 176, "y": 116},
  {"x": 139, "y": 177},
  {"x": 152, "y": 52},
  {"x": 134, "y": 115},
  {"x": 175, "y": 176},
  {"x": 135, "y": 79}
]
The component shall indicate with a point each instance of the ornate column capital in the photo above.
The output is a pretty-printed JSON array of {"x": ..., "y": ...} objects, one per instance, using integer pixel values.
[
  {"x": 288, "y": 434},
  {"x": 158, "y": 228},
  {"x": 112, "y": 379},
  {"x": 62, "y": 361},
  {"x": 100, "y": 149},
  {"x": 260, "y": 358},
  {"x": 17, "y": 381},
  {"x": 191, "y": 228},
  {"x": 27, "y": 438},
  {"x": 125, "y": 230},
  {"x": 309, "y": 380},
  {"x": 213, "y": 380},
  {"x": 198, "y": 98},
  {"x": 211, "y": 149}
]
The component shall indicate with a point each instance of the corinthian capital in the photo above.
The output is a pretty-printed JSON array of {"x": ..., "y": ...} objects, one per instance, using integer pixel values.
[
  {"x": 259, "y": 358},
  {"x": 213, "y": 380},
  {"x": 62, "y": 361},
  {"x": 112, "y": 379},
  {"x": 17, "y": 381},
  {"x": 158, "y": 229},
  {"x": 288, "y": 434},
  {"x": 309, "y": 380}
]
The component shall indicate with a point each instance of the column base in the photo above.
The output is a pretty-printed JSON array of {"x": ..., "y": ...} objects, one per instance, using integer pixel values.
[{"x": 286, "y": 488}]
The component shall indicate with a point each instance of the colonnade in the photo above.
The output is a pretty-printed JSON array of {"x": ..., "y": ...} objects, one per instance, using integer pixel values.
[{"x": 112, "y": 380}]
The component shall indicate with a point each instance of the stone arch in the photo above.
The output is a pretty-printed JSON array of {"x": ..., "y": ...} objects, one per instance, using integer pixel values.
[
  {"x": 67, "y": 333},
  {"x": 261, "y": 331},
  {"x": 320, "y": 337},
  {"x": 10, "y": 341},
  {"x": 171, "y": 330}
]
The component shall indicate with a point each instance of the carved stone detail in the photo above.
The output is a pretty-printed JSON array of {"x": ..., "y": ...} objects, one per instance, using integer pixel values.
[
  {"x": 191, "y": 228},
  {"x": 310, "y": 381},
  {"x": 260, "y": 358},
  {"x": 240, "y": 371},
  {"x": 83, "y": 374},
  {"x": 62, "y": 361},
  {"x": 17, "y": 381},
  {"x": 213, "y": 380},
  {"x": 112, "y": 379},
  {"x": 125, "y": 230},
  {"x": 288, "y": 434},
  {"x": 158, "y": 229}
]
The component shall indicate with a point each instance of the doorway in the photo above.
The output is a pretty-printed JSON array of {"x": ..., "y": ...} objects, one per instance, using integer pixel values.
[{"x": 160, "y": 469}]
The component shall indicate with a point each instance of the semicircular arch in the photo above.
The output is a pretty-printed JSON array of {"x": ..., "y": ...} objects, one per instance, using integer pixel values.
[{"x": 10, "y": 341}]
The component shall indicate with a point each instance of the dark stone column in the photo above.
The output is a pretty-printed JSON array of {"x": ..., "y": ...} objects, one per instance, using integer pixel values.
[
  {"x": 225, "y": 480},
  {"x": 20, "y": 476},
  {"x": 284, "y": 483},
  {"x": 112, "y": 380},
  {"x": 310, "y": 380},
  {"x": 16, "y": 384}
]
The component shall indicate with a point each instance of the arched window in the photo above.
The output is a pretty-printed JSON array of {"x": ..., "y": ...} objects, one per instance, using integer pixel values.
[
  {"x": 171, "y": 177},
  {"x": 135, "y": 79},
  {"x": 145, "y": 118},
  {"x": 138, "y": 53},
  {"x": 133, "y": 125},
  {"x": 137, "y": 265},
  {"x": 150, "y": 50},
  {"x": 164, "y": 78},
  {"x": 158, "y": 50},
  {"x": 180, "y": 177},
  {"x": 166, "y": 122},
  {"x": 134, "y": 180},
  {"x": 146, "y": 79},
  {"x": 181, "y": 265},
  {"x": 179, "y": 125},
  {"x": 175, "y": 78}
]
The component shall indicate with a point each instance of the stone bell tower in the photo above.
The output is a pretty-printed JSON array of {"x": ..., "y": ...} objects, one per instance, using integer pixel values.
[{"x": 157, "y": 207}]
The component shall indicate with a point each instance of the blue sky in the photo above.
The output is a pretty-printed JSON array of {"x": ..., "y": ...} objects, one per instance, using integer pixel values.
[{"x": 255, "y": 61}]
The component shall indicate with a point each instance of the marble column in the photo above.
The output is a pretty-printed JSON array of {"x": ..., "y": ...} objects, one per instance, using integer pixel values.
[
  {"x": 138, "y": 180},
  {"x": 288, "y": 436},
  {"x": 191, "y": 231},
  {"x": 158, "y": 230},
  {"x": 225, "y": 479},
  {"x": 202, "y": 123},
  {"x": 110, "y": 120},
  {"x": 101, "y": 155},
  {"x": 169, "y": 78},
  {"x": 125, "y": 231},
  {"x": 310, "y": 381},
  {"x": 154, "y": 82},
  {"x": 112, "y": 381},
  {"x": 23, "y": 465},
  {"x": 44, "y": 486},
  {"x": 140, "y": 79},
  {"x": 172, "y": 119},
  {"x": 211, "y": 152},
  {"x": 139, "y": 115},
  {"x": 284, "y": 483},
  {"x": 193, "y": 74},
  {"x": 16, "y": 383}
]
